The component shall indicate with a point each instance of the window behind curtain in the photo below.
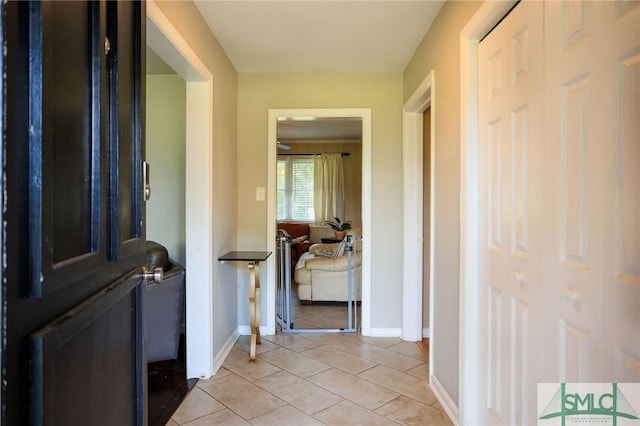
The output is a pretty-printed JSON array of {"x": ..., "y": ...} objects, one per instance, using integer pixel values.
[{"x": 295, "y": 189}]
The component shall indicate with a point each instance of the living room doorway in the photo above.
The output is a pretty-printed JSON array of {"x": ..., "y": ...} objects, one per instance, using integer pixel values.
[
  {"x": 319, "y": 179},
  {"x": 299, "y": 138}
]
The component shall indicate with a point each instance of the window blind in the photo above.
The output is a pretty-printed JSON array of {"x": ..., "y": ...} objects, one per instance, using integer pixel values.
[{"x": 294, "y": 199}]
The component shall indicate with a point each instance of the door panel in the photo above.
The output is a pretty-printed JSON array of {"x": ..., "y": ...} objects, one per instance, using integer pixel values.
[
  {"x": 511, "y": 235},
  {"x": 560, "y": 233},
  {"x": 64, "y": 358},
  {"x": 621, "y": 232},
  {"x": 126, "y": 88},
  {"x": 64, "y": 201},
  {"x": 70, "y": 88},
  {"x": 573, "y": 201},
  {"x": 75, "y": 350},
  {"x": 593, "y": 266}
]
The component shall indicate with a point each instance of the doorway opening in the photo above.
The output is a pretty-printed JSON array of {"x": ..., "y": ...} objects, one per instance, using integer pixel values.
[
  {"x": 419, "y": 250},
  {"x": 165, "y": 130},
  {"x": 167, "y": 42},
  {"x": 165, "y": 152},
  {"x": 364, "y": 115},
  {"x": 319, "y": 182},
  {"x": 419, "y": 206}
]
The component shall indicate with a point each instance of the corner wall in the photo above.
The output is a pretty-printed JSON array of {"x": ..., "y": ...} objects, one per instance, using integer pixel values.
[
  {"x": 186, "y": 18},
  {"x": 440, "y": 51}
]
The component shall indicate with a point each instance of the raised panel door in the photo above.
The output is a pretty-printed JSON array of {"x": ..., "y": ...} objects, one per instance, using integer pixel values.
[{"x": 511, "y": 162}]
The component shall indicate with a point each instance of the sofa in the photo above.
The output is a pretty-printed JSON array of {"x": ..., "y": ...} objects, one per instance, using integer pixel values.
[
  {"x": 165, "y": 305},
  {"x": 300, "y": 241},
  {"x": 321, "y": 278}
]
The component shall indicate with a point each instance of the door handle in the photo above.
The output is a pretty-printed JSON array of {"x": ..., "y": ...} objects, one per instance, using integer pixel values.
[
  {"x": 145, "y": 178},
  {"x": 156, "y": 275}
]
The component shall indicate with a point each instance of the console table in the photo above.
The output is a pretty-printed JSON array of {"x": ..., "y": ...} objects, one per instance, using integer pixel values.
[
  {"x": 331, "y": 240},
  {"x": 253, "y": 258}
]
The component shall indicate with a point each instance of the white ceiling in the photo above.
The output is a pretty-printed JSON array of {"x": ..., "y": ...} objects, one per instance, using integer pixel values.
[{"x": 319, "y": 36}]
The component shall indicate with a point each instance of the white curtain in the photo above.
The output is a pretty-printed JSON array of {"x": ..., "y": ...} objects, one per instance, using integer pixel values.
[{"x": 328, "y": 187}]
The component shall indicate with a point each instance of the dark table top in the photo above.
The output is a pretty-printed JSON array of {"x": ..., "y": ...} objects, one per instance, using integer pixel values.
[
  {"x": 330, "y": 240},
  {"x": 247, "y": 256}
]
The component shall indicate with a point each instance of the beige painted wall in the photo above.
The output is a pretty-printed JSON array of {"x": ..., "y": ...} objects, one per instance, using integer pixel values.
[
  {"x": 165, "y": 153},
  {"x": 352, "y": 166},
  {"x": 186, "y": 18},
  {"x": 383, "y": 94},
  {"x": 440, "y": 51}
]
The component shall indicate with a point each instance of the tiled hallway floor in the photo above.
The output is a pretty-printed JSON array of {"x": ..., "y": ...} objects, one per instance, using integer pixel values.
[{"x": 316, "y": 379}]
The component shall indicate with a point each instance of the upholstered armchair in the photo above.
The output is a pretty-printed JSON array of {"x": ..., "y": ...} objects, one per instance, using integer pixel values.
[
  {"x": 165, "y": 305},
  {"x": 300, "y": 242}
]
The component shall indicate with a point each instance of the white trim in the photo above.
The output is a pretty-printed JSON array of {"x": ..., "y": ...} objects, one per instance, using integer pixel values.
[
  {"x": 167, "y": 42},
  {"x": 218, "y": 360},
  {"x": 426, "y": 332},
  {"x": 365, "y": 115},
  {"x": 413, "y": 195},
  {"x": 445, "y": 400},
  {"x": 487, "y": 16},
  {"x": 385, "y": 332}
]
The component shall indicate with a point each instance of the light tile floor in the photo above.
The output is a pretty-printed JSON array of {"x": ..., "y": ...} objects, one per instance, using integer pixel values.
[
  {"x": 320, "y": 315},
  {"x": 316, "y": 379}
]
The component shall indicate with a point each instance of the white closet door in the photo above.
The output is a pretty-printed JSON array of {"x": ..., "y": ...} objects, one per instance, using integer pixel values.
[
  {"x": 592, "y": 194},
  {"x": 511, "y": 212},
  {"x": 621, "y": 257},
  {"x": 559, "y": 202}
]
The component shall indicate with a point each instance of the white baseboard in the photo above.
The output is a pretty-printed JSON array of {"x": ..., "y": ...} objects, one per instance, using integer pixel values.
[
  {"x": 245, "y": 330},
  {"x": 219, "y": 358},
  {"x": 385, "y": 332},
  {"x": 445, "y": 400},
  {"x": 426, "y": 332}
]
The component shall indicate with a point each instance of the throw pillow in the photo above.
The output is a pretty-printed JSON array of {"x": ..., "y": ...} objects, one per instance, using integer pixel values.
[{"x": 298, "y": 240}]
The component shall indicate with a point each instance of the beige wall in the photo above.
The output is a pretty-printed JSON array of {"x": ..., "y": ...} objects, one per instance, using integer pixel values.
[
  {"x": 165, "y": 153},
  {"x": 383, "y": 94},
  {"x": 440, "y": 51},
  {"x": 352, "y": 165},
  {"x": 186, "y": 18}
]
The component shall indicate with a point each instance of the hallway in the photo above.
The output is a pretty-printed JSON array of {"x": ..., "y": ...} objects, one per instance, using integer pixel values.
[{"x": 316, "y": 379}]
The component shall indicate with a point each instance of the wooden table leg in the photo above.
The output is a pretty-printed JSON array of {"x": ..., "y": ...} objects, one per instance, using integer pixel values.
[{"x": 254, "y": 308}]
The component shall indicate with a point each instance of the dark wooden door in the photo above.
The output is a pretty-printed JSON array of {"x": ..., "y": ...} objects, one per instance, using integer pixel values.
[{"x": 74, "y": 81}]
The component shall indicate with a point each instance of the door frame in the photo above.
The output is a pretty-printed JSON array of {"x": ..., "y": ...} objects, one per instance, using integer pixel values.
[
  {"x": 480, "y": 24},
  {"x": 413, "y": 193},
  {"x": 167, "y": 42},
  {"x": 272, "y": 157}
]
